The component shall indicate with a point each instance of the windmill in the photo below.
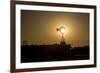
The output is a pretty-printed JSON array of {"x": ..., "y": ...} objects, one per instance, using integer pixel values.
[{"x": 61, "y": 30}]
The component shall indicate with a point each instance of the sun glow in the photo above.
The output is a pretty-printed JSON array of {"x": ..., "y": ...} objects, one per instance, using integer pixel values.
[{"x": 62, "y": 29}]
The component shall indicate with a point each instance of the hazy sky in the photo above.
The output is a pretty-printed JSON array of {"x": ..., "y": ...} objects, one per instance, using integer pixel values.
[{"x": 39, "y": 27}]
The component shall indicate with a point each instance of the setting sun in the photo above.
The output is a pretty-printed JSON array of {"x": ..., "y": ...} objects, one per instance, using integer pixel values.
[{"x": 62, "y": 29}]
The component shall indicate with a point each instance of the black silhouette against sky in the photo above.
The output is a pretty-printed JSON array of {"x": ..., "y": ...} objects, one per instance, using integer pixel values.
[{"x": 39, "y": 27}]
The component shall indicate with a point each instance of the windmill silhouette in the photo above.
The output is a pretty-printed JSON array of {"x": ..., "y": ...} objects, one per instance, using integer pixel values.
[{"x": 61, "y": 30}]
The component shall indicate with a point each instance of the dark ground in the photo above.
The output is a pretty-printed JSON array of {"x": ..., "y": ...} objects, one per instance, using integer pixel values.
[{"x": 55, "y": 52}]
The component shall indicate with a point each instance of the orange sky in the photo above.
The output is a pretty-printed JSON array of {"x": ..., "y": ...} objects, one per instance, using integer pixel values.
[{"x": 39, "y": 27}]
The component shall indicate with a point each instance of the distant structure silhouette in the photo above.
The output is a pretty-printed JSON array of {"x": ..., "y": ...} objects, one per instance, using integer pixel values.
[{"x": 62, "y": 30}]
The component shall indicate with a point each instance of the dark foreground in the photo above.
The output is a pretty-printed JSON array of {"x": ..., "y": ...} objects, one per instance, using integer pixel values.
[{"x": 44, "y": 53}]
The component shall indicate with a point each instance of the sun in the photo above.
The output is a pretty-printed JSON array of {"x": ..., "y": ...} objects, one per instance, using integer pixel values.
[{"x": 61, "y": 29}]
